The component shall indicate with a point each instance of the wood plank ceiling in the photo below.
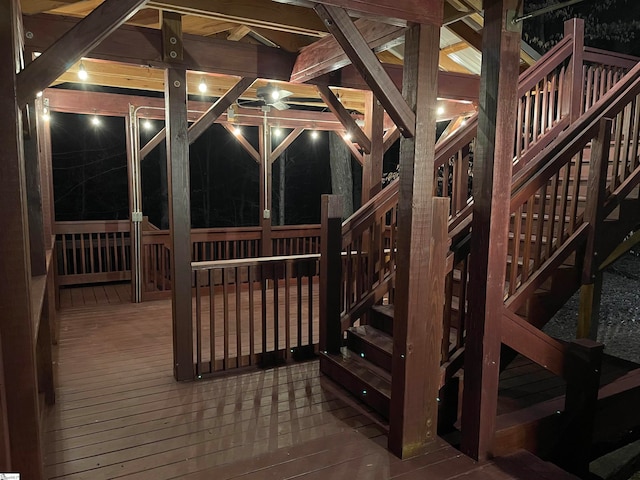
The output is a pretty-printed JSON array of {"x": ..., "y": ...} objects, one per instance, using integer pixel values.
[{"x": 273, "y": 24}]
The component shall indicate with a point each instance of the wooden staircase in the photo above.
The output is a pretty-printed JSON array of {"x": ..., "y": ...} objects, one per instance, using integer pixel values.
[{"x": 574, "y": 198}]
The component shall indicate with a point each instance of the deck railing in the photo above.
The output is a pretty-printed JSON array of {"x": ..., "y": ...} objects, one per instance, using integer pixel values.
[
  {"x": 214, "y": 244},
  {"x": 254, "y": 312},
  {"x": 93, "y": 251}
]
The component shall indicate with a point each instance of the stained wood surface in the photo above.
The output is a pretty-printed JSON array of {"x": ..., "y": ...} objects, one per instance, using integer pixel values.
[{"x": 120, "y": 414}]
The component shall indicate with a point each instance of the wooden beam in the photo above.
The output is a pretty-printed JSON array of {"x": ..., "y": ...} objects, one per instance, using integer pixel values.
[
  {"x": 143, "y": 46},
  {"x": 374, "y": 130},
  {"x": 417, "y": 323},
  {"x": 75, "y": 43},
  {"x": 390, "y": 137},
  {"x": 254, "y": 13},
  {"x": 273, "y": 156},
  {"x": 357, "y": 154},
  {"x": 491, "y": 212},
  {"x": 326, "y": 55},
  {"x": 345, "y": 118},
  {"x": 424, "y": 11},
  {"x": 20, "y": 415},
  {"x": 243, "y": 141},
  {"x": 365, "y": 61},
  {"x": 467, "y": 34},
  {"x": 238, "y": 33}
]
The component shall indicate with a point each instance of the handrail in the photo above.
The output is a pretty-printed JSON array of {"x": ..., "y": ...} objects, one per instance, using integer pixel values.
[
  {"x": 550, "y": 61},
  {"x": 249, "y": 262}
]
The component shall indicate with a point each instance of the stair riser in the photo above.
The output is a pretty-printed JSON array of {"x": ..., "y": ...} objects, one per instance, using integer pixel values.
[
  {"x": 368, "y": 351},
  {"x": 355, "y": 386}
]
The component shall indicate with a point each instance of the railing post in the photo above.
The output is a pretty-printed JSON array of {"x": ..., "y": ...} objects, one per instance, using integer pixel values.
[
  {"x": 594, "y": 216},
  {"x": 572, "y": 98},
  {"x": 583, "y": 363},
  {"x": 330, "y": 273}
]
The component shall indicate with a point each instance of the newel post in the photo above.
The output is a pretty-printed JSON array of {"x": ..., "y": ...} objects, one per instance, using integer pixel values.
[
  {"x": 594, "y": 215},
  {"x": 572, "y": 98},
  {"x": 330, "y": 273},
  {"x": 583, "y": 363}
]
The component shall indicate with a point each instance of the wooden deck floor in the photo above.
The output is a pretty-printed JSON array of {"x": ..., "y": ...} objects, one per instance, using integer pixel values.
[{"x": 120, "y": 414}]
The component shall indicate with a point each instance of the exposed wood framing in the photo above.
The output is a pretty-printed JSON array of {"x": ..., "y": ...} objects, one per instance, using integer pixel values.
[
  {"x": 491, "y": 189},
  {"x": 326, "y": 55},
  {"x": 417, "y": 324},
  {"x": 390, "y": 137},
  {"x": 365, "y": 61},
  {"x": 345, "y": 118},
  {"x": 243, "y": 141},
  {"x": 207, "y": 119},
  {"x": 273, "y": 156},
  {"x": 75, "y": 43},
  {"x": 372, "y": 168}
]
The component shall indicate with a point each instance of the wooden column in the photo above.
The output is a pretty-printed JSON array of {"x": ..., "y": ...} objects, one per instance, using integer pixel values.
[
  {"x": 34, "y": 196},
  {"x": 374, "y": 129},
  {"x": 330, "y": 274},
  {"x": 17, "y": 335},
  {"x": 492, "y": 193},
  {"x": 591, "y": 289},
  {"x": 46, "y": 175},
  {"x": 417, "y": 325},
  {"x": 179, "y": 205},
  {"x": 574, "y": 87}
]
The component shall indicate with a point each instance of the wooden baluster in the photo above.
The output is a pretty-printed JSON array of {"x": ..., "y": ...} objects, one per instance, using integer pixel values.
[
  {"x": 635, "y": 136},
  {"x": 462, "y": 302},
  {"x": 100, "y": 266},
  {"x": 527, "y": 122},
  {"x": 537, "y": 256},
  {"x": 212, "y": 319},
  {"x": 551, "y": 222},
  {"x": 287, "y": 308},
  {"x": 526, "y": 254},
  {"x": 75, "y": 254},
  {"x": 545, "y": 105},
  {"x": 238, "y": 294},
  {"x": 626, "y": 135},
  {"x": 65, "y": 261},
  {"x": 446, "y": 317},
  {"x": 562, "y": 234},
  {"x": 616, "y": 161},
  {"x": 536, "y": 114},
  {"x": 589, "y": 92},
  {"x": 226, "y": 320},
  {"x": 299, "y": 305},
  {"x": 310, "y": 315},
  {"x": 92, "y": 264},
  {"x": 515, "y": 250},
  {"x": 252, "y": 331},
  {"x": 519, "y": 131},
  {"x": 276, "y": 311},
  {"x": 553, "y": 106},
  {"x": 198, "y": 324},
  {"x": 263, "y": 293},
  {"x": 577, "y": 181}
]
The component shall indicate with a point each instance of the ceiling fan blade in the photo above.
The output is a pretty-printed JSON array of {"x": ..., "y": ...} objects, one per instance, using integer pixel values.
[{"x": 279, "y": 105}]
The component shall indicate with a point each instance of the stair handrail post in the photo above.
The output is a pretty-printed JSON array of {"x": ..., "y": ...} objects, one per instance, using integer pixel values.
[
  {"x": 594, "y": 216},
  {"x": 330, "y": 274},
  {"x": 572, "y": 99},
  {"x": 583, "y": 364}
]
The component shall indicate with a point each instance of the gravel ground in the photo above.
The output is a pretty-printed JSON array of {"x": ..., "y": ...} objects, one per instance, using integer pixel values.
[{"x": 619, "y": 327}]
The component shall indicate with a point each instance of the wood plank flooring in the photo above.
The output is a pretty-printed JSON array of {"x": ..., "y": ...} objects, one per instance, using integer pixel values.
[{"x": 120, "y": 414}]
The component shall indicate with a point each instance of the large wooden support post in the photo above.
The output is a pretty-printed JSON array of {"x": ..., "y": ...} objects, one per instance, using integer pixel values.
[
  {"x": 574, "y": 81},
  {"x": 591, "y": 289},
  {"x": 330, "y": 273},
  {"x": 374, "y": 129},
  {"x": 19, "y": 416},
  {"x": 491, "y": 189},
  {"x": 179, "y": 206},
  {"x": 417, "y": 319},
  {"x": 582, "y": 373}
]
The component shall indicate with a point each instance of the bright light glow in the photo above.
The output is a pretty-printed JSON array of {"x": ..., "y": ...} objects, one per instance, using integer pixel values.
[
  {"x": 95, "y": 120},
  {"x": 275, "y": 94},
  {"x": 147, "y": 125},
  {"x": 202, "y": 86},
  {"x": 82, "y": 72},
  {"x": 314, "y": 134},
  {"x": 237, "y": 131},
  {"x": 347, "y": 136},
  {"x": 440, "y": 110},
  {"x": 277, "y": 132},
  {"x": 39, "y": 94},
  {"x": 463, "y": 123},
  {"x": 45, "y": 114}
]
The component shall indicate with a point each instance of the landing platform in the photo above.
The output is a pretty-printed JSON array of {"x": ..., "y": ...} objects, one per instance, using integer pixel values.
[{"x": 120, "y": 414}]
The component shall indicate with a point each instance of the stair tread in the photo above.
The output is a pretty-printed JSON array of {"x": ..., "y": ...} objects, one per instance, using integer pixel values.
[
  {"x": 366, "y": 371},
  {"x": 386, "y": 310},
  {"x": 375, "y": 337}
]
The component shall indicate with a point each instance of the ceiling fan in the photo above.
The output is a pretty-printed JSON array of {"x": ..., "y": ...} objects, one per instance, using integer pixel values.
[{"x": 273, "y": 96}]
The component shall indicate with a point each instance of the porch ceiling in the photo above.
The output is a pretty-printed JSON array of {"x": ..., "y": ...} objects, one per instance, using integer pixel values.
[{"x": 285, "y": 26}]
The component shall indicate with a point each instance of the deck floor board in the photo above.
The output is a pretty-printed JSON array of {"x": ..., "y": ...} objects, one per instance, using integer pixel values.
[{"x": 120, "y": 414}]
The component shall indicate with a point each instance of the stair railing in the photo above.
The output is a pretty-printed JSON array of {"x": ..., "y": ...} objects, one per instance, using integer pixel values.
[{"x": 548, "y": 203}]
